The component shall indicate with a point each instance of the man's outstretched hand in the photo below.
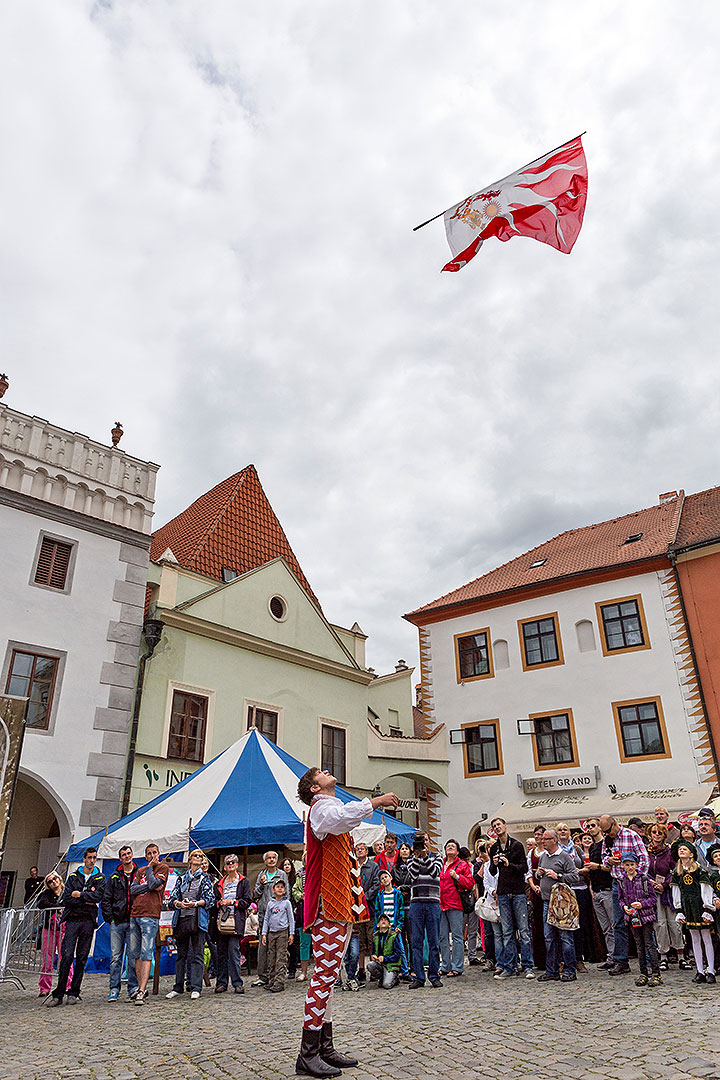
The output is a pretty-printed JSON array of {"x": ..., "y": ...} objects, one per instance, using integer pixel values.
[{"x": 390, "y": 800}]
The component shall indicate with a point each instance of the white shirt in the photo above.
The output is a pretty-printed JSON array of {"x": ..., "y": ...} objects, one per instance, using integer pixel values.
[{"x": 330, "y": 817}]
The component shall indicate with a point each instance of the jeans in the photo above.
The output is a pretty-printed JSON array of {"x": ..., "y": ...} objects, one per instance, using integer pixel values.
[
  {"x": 492, "y": 939},
  {"x": 603, "y": 905},
  {"x": 514, "y": 915},
  {"x": 620, "y": 955},
  {"x": 120, "y": 940},
  {"x": 648, "y": 959},
  {"x": 473, "y": 929},
  {"x": 424, "y": 918},
  {"x": 228, "y": 960},
  {"x": 352, "y": 956},
  {"x": 451, "y": 922},
  {"x": 141, "y": 937},
  {"x": 555, "y": 942},
  {"x": 75, "y": 944},
  {"x": 190, "y": 955}
]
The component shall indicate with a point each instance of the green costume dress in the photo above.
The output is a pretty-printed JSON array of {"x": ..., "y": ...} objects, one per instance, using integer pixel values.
[{"x": 689, "y": 885}]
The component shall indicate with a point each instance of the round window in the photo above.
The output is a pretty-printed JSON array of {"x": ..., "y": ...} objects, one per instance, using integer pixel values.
[{"x": 278, "y": 608}]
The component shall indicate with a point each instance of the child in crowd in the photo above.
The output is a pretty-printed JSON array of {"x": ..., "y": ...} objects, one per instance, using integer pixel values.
[
  {"x": 277, "y": 933},
  {"x": 389, "y": 901},
  {"x": 713, "y": 857},
  {"x": 692, "y": 894},
  {"x": 638, "y": 900},
  {"x": 384, "y": 964}
]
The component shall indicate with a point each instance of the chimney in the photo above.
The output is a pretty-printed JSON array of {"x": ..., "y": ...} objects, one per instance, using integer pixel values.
[
  {"x": 667, "y": 496},
  {"x": 401, "y": 666}
]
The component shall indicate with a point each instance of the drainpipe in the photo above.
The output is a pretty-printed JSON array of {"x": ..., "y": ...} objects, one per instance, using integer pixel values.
[
  {"x": 673, "y": 560},
  {"x": 152, "y": 632}
]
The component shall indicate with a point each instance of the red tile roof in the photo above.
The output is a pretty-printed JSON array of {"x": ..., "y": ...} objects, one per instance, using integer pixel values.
[
  {"x": 700, "y": 520},
  {"x": 577, "y": 551},
  {"x": 232, "y": 526}
]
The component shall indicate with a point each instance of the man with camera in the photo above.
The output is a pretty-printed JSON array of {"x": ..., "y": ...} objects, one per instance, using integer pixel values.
[
  {"x": 422, "y": 874},
  {"x": 509, "y": 864}
]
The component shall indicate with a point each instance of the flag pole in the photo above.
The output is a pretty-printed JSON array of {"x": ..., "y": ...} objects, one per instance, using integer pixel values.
[{"x": 547, "y": 152}]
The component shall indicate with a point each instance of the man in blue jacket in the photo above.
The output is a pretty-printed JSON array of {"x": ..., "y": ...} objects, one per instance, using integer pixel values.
[{"x": 83, "y": 892}]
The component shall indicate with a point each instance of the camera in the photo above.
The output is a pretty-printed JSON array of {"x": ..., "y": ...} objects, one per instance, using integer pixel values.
[{"x": 419, "y": 842}]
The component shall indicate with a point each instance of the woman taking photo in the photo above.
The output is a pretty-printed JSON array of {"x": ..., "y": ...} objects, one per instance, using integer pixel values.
[
  {"x": 52, "y": 929},
  {"x": 455, "y": 877}
]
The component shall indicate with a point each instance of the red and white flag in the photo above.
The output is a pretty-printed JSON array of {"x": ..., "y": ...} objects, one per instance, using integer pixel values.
[{"x": 545, "y": 200}]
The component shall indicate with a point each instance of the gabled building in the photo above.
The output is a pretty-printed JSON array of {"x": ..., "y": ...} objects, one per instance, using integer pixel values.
[
  {"x": 582, "y": 676},
  {"x": 75, "y": 524},
  {"x": 241, "y": 641}
]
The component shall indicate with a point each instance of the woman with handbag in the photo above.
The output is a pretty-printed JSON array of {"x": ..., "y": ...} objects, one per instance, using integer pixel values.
[
  {"x": 456, "y": 879},
  {"x": 232, "y": 900},
  {"x": 191, "y": 900}
]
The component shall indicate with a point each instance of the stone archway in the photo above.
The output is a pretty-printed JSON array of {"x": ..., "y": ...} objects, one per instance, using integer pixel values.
[
  {"x": 39, "y": 832},
  {"x": 426, "y": 789}
]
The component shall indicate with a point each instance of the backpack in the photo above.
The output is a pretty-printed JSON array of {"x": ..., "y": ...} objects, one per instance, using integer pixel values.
[{"x": 563, "y": 909}]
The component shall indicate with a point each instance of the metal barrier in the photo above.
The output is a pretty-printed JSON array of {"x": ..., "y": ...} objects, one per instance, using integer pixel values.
[{"x": 29, "y": 942}]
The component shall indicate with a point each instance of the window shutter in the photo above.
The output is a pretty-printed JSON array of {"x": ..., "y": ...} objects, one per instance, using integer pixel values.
[{"x": 53, "y": 563}]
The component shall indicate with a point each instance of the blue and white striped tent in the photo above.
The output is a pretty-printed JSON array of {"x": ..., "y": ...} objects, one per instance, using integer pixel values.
[{"x": 246, "y": 795}]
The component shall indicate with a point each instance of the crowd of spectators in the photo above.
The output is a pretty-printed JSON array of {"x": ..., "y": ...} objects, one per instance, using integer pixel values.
[{"x": 544, "y": 910}]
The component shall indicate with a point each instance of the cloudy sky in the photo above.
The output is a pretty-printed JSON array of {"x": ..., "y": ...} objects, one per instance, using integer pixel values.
[{"x": 206, "y": 232}]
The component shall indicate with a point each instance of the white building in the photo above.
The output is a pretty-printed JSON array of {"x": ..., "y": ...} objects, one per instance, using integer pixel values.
[
  {"x": 567, "y": 681},
  {"x": 75, "y": 525}
]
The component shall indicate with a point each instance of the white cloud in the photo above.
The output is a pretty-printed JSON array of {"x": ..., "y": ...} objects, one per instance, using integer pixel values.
[{"x": 207, "y": 233}]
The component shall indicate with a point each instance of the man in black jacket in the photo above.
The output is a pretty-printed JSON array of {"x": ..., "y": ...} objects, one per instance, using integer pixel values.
[
  {"x": 83, "y": 892},
  {"x": 509, "y": 863},
  {"x": 115, "y": 905}
]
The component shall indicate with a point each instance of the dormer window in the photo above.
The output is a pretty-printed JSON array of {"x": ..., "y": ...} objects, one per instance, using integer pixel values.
[
  {"x": 228, "y": 574},
  {"x": 633, "y": 538},
  {"x": 538, "y": 562}
]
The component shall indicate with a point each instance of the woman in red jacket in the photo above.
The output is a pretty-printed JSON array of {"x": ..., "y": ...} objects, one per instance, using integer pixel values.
[{"x": 456, "y": 877}]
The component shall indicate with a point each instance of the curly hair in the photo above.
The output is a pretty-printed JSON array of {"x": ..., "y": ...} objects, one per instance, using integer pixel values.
[{"x": 305, "y": 785}]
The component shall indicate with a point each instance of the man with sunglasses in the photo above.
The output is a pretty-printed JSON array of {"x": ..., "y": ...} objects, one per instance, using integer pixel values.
[
  {"x": 617, "y": 843},
  {"x": 602, "y": 896}
]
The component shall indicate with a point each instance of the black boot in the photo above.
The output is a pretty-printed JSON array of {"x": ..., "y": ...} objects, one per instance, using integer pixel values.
[
  {"x": 332, "y": 1056},
  {"x": 309, "y": 1062}
]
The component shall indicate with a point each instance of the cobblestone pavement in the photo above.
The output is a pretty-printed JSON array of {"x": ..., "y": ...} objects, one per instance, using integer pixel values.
[{"x": 599, "y": 1028}]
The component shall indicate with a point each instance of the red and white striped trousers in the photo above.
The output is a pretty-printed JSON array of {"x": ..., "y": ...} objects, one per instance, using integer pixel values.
[{"x": 329, "y": 940}]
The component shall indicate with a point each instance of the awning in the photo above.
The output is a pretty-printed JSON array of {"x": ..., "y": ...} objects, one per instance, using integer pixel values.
[{"x": 525, "y": 814}]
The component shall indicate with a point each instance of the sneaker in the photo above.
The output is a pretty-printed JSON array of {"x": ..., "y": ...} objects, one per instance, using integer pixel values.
[
  {"x": 710, "y": 977},
  {"x": 195, "y": 995},
  {"x": 474, "y": 962},
  {"x": 258, "y": 982},
  {"x": 220, "y": 989},
  {"x": 436, "y": 983},
  {"x": 655, "y": 980},
  {"x": 548, "y": 978},
  {"x": 352, "y": 984},
  {"x": 502, "y": 975},
  {"x": 277, "y": 988},
  {"x": 565, "y": 977},
  {"x": 113, "y": 995},
  {"x": 406, "y": 978},
  {"x": 605, "y": 966},
  {"x": 361, "y": 975},
  {"x": 642, "y": 980},
  {"x": 173, "y": 994},
  {"x": 530, "y": 974},
  {"x": 619, "y": 969},
  {"x": 581, "y": 967},
  {"x": 52, "y": 1002},
  {"x": 683, "y": 964},
  {"x": 414, "y": 984},
  {"x": 238, "y": 989},
  {"x": 664, "y": 964},
  {"x": 301, "y": 977},
  {"x": 72, "y": 999}
]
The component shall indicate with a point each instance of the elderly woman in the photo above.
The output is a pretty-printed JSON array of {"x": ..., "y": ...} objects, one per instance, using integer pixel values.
[
  {"x": 191, "y": 900},
  {"x": 667, "y": 932},
  {"x": 455, "y": 877},
  {"x": 232, "y": 900}
]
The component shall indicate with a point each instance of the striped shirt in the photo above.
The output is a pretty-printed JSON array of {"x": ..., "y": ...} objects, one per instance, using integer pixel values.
[
  {"x": 626, "y": 842},
  {"x": 424, "y": 875}
]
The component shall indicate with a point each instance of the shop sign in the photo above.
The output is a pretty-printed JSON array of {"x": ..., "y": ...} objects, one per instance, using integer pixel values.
[{"x": 537, "y": 785}]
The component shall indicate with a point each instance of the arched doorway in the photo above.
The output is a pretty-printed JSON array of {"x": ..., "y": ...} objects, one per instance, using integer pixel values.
[{"x": 38, "y": 835}]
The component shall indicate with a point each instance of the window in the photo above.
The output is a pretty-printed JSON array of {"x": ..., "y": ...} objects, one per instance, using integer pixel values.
[
  {"x": 622, "y": 625},
  {"x": 540, "y": 641},
  {"x": 396, "y": 732},
  {"x": 554, "y": 745},
  {"x": 482, "y": 752},
  {"x": 265, "y": 720},
  {"x": 188, "y": 722},
  {"x": 473, "y": 658},
  {"x": 54, "y": 563},
  {"x": 33, "y": 676},
  {"x": 640, "y": 729},
  {"x": 228, "y": 574},
  {"x": 333, "y": 751},
  {"x": 278, "y": 608}
]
